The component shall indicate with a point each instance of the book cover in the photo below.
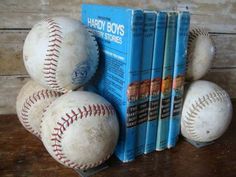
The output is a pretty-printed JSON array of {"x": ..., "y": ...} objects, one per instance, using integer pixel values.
[
  {"x": 178, "y": 77},
  {"x": 166, "y": 83},
  {"x": 119, "y": 32},
  {"x": 145, "y": 75},
  {"x": 156, "y": 73}
]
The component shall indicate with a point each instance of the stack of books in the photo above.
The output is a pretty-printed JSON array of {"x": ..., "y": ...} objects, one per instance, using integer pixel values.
[{"x": 141, "y": 72}]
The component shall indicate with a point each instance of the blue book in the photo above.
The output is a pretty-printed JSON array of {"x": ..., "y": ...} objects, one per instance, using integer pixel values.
[
  {"x": 156, "y": 73},
  {"x": 166, "y": 84},
  {"x": 119, "y": 32},
  {"x": 145, "y": 76},
  {"x": 178, "y": 77}
]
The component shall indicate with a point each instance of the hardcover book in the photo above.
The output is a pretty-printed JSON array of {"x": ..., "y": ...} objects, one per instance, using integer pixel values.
[
  {"x": 145, "y": 74},
  {"x": 166, "y": 84},
  {"x": 156, "y": 73},
  {"x": 178, "y": 76},
  {"x": 119, "y": 32}
]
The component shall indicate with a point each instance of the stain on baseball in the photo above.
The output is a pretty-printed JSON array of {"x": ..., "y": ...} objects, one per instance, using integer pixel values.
[
  {"x": 60, "y": 53},
  {"x": 31, "y": 101},
  {"x": 207, "y": 112},
  {"x": 80, "y": 130}
]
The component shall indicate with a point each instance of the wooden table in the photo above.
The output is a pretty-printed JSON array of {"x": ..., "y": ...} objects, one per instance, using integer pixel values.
[{"x": 23, "y": 155}]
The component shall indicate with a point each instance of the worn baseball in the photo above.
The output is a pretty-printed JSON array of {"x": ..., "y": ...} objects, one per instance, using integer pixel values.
[
  {"x": 80, "y": 129},
  {"x": 201, "y": 52},
  {"x": 31, "y": 101},
  {"x": 60, "y": 53},
  {"x": 207, "y": 112}
]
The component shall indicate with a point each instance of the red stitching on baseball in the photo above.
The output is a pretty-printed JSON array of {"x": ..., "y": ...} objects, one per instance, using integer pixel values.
[
  {"x": 59, "y": 150},
  {"x": 52, "y": 80},
  {"x": 54, "y": 35},
  {"x": 53, "y": 25},
  {"x": 30, "y": 100},
  {"x": 51, "y": 49},
  {"x": 54, "y": 30},
  {"x": 52, "y": 55},
  {"x": 48, "y": 73},
  {"x": 24, "y": 114},
  {"x": 50, "y": 68},
  {"x": 55, "y": 40},
  {"x": 52, "y": 77},
  {"x": 26, "y": 107},
  {"x": 54, "y": 84},
  {"x": 51, "y": 59},
  {"x": 55, "y": 139},
  {"x": 56, "y": 145},
  {"x": 35, "y": 95},
  {"x": 48, "y": 64},
  {"x": 69, "y": 119}
]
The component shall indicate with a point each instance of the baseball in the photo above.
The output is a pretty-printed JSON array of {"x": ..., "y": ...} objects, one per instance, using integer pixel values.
[
  {"x": 80, "y": 130},
  {"x": 201, "y": 52},
  {"x": 207, "y": 112},
  {"x": 31, "y": 101},
  {"x": 60, "y": 54}
]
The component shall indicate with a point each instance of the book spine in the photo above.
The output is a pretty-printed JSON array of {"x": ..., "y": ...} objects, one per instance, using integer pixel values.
[
  {"x": 178, "y": 77},
  {"x": 156, "y": 73},
  {"x": 166, "y": 84},
  {"x": 145, "y": 74},
  {"x": 134, "y": 84}
]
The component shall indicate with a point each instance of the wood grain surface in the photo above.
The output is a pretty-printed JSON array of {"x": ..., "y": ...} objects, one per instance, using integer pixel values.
[
  {"x": 17, "y": 17},
  {"x": 9, "y": 89},
  {"x": 23, "y": 155},
  {"x": 210, "y": 13}
]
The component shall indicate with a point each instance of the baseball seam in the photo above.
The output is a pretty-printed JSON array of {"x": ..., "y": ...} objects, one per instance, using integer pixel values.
[
  {"x": 94, "y": 41},
  {"x": 201, "y": 103},
  {"x": 194, "y": 33},
  {"x": 67, "y": 121},
  {"x": 52, "y": 55},
  {"x": 29, "y": 102}
]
